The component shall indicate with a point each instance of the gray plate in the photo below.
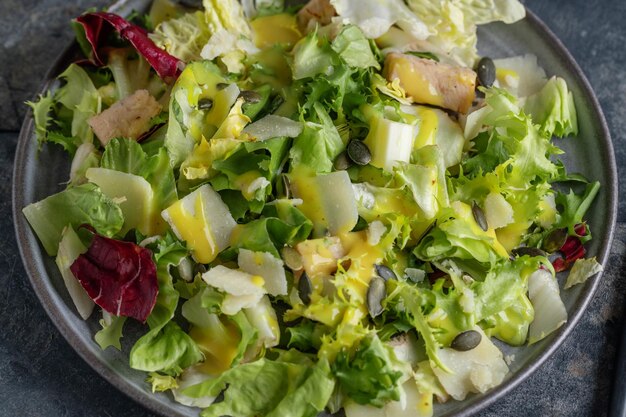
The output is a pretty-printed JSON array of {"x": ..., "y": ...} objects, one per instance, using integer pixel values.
[{"x": 40, "y": 174}]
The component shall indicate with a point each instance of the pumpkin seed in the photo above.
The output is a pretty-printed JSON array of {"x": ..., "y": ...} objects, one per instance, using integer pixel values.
[
  {"x": 376, "y": 293},
  {"x": 465, "y": 341},
  {"x": 342, "y": 162},
  {"x": 221, "y": 86},
  {"x": 479, "y": 216},
  {"x": 555, "y": 240},
  {"x": 205, "y": 104},
  {"x": 250, "y": 96},
  {"x": 530, "y": 251},
  {"x": 486, "y": 71},
  {"x": 358, "y": 152},
  {"x": 292, "y": 258},
  {"x": 361, "y": 224},
  {"x": 275, "y": 103},
  {"x": 346, "y": 264},
  {"x": 385, "y": 272},
  {"x": 199, "y": 269},
  {"x": 305, "y": 288}
]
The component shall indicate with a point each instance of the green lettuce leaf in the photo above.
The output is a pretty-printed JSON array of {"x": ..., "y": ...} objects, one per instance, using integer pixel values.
[
  {"x": 457, "y": 235},
  {"x": 318, "y": 145},
  {"x": 313, "y": 56},
  {"x": 220, "y": 31},
  {"x": 511, "y": 324},
  {"x": 352, "y": 46},
  {"x": 304, "y": 336},
  {"x": 269, "y": 388},
  {"x": 410, "y": 303},
  {"x": 375, "y": 17},
  {"x": 582, "y": 270},
  {"x": 574, "y": 207},
  {"x": 213, "y": 330},
  {"x": 81, "y": 99},
  {"x": 183, "y": 36},
  {"x": 70, "y": 107},
  {"x": 124, "y": 155},
  {"x": 425, "y": 180},
  {"x": 371, "y": 375},
  {"x": 452, "y": 24},
  {"x": 553, "y": 109},
  {"x": 41, "y": 113},
  {"x": 167, "y": 251},
  {"x": 251, "y": 169},
  {"x": 504, "y": 285},
  {"x": 128, "y": 156},
  {"x": 282, "y": 225},
  {"x": 132, "y": 73},
  {"x": 111, "y": 331},
  {"x": 167, "y": 350},
  {"x": 188, "y": 122},
  {"x": 84, "y": 204}
]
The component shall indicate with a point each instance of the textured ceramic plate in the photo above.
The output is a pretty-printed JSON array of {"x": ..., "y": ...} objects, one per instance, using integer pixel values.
[{"x": 40, "y": 174}]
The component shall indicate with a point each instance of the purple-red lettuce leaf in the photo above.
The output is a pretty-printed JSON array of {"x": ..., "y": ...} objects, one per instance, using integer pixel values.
[
  {"x": 98, "y": 24},
  {"x": 119, "y": 276}
]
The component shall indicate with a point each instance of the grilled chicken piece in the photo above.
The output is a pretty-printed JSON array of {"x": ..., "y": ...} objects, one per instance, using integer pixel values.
[
  {"x": 320, "y": 11},
  {"x": 430, "y": 82},
  {"x": 127, "y": 118}
]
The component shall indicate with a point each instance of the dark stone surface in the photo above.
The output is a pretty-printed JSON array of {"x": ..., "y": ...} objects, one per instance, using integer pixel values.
[{"x": 40, "y": 375}]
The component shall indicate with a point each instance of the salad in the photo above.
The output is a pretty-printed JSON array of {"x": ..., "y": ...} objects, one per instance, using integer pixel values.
[{"x": 336, "y": 205}]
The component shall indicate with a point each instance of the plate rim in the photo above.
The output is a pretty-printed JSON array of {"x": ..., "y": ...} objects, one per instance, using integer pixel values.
[{"x": 42, "y": 286}]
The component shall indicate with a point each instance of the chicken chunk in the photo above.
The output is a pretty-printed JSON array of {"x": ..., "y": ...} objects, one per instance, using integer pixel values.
[
  {"x": 430, "y": 82},
  {"x": 127, "y": 118},
  {"x": 316, "y": 11}
]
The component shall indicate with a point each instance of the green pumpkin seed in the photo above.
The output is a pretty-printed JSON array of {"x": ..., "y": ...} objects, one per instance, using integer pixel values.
[
  {"x": 250, "y": 96},
  {"x": 342, "y": 162},
  {"x": 486, "y": 72},
  {"x": 205, "y": 104},
  {"x": 221, "y": 86},
  {"x": 555, "y": 240},
  {"x": 479, "y": 216},
  {"x": 292, "y": 258},
  {"x": 358, "y": 152},
  {"x": 275, "y": 103},
  {"x": 199, "y": 269},
  {"x": 385, "y": 272},
  {"x": 305, "y": 288},
  {"x": 525, "y": 250},
  {"x": 361, "y": 224},
  {"x": 376, "y": 293},
  {"x": 465, "y": 341}
]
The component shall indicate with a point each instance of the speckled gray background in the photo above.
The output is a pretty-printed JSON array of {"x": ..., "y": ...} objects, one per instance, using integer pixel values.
[{"x": 40, "y": 375}]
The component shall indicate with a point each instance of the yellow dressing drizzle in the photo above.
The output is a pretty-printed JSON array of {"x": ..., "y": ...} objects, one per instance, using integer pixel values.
[
  {"x": 429, "y": 124},
  {"x": 507, "y": 76},
  {"x": 414, "y": 83},
  {"x": 363, "y": 257},
  {"x": 194, "y": 229},
  {"x": 219, "y": 349},
  {"x": 276, "y": 29}
]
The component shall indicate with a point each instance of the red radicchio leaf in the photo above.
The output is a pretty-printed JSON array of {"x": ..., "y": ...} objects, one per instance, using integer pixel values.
[
  {"x": 559, "y": 265},
  {"x": 118, "y": 276},
  {"x": 97, "y": 24},
  {"x": 581, "y": 229},
  {"x": 573, "y": 249}
]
